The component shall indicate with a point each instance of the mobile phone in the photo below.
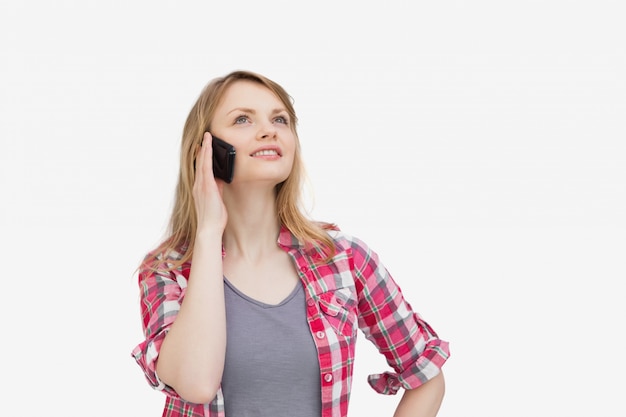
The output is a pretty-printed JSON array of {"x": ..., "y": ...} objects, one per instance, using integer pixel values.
[{"x": 223, "y": 159}]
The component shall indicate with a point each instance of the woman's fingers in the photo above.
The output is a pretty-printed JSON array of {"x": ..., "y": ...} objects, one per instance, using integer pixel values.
[
  {"x": 207, "y": 191},
  {"x": 207, "y": 149},
  {"x": 205, "y": 152}
]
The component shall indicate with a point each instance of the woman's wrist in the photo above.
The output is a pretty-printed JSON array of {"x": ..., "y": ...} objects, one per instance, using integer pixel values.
[{"x": 209, "y": 234}]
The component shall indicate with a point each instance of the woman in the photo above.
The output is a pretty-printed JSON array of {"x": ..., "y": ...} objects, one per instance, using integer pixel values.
[{"x": 249, "y": 308}]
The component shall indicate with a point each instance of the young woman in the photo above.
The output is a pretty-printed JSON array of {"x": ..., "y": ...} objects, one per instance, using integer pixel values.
[{"x": 249, "y": 308}]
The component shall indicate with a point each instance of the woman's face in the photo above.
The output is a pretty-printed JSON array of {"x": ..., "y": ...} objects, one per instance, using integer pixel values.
[{"x": 256, "y": 123}]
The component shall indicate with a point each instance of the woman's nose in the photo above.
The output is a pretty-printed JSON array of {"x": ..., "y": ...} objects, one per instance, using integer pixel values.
[{"x": 266, "y": 131}]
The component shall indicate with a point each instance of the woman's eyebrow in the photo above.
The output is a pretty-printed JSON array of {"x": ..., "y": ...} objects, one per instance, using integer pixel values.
[
  {"x": 252, "y": 111},
  {"x": 241, "y": 110}
]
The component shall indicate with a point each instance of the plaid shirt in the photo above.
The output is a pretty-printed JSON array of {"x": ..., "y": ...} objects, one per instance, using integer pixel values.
[{"x": 352, "y": 292}]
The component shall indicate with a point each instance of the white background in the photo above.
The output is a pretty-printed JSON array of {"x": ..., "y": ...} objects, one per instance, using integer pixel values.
[{"x": 478, "y": 147}]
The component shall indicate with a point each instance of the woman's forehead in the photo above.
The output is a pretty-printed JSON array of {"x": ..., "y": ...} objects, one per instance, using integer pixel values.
[{"x": 248, "y": 95}]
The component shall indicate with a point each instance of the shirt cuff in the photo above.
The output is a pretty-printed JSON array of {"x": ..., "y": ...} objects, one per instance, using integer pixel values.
[{"x": 424, "y": 369}]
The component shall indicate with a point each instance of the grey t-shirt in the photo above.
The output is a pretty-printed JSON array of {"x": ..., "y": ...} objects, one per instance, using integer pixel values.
[{"x": 271, "y": 367}]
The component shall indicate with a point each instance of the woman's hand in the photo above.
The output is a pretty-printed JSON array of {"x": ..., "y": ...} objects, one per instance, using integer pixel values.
[{"x": 207, "y": 191}]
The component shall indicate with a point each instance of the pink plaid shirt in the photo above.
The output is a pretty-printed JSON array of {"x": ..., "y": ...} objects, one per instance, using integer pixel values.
[{"x": 352, "y": 292}]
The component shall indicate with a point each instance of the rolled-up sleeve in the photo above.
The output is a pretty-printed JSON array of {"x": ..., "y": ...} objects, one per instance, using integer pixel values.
[
  {"x": 410, "y": 346},
  {"x": 161, "y": 294}
]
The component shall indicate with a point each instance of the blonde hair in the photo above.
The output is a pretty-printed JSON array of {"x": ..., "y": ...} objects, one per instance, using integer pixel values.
[{"x": 183, "y": 222}]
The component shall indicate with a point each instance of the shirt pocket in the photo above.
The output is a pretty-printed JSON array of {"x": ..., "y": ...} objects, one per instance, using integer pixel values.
[{"x": 339, "y": 308}]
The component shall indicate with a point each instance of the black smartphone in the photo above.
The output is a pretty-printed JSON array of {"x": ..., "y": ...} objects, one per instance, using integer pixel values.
[{"x": 223, "y": 159}]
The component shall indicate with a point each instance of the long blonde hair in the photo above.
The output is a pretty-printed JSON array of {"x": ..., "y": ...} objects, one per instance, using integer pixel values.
[{"x": 183, "y": 221}]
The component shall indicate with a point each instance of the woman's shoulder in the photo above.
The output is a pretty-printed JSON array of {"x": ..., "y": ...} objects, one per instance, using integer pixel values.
[
  {"x": 164, "y": 258},
  {"x": 345, "y": 240},
  {"x": 165, "y": 253}
]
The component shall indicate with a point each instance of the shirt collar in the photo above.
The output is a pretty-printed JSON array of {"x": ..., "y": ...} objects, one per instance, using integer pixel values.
[{"x": 287, "y": 240}]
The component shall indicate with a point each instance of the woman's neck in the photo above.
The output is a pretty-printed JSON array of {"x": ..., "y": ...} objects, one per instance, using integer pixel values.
[{"x": 253, "y": 224}]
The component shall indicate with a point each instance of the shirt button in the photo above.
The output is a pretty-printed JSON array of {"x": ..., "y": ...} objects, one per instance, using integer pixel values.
[
  {"x": 320, "y": 335},
  {"x": 311, "y": 302},
  {"x": 304, "y": 269},
  {"x": 328, "y": 377}
]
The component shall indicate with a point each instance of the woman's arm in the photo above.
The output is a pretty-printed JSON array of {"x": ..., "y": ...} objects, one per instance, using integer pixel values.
[
  {"x": 192, "y": 355},
  {"x": 410, "y": 345},
  {"x": 191, "y": 359},
  {"x": 423, "y": 401}
]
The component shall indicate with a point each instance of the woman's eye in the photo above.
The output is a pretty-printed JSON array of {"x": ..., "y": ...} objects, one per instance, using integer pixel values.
[
  {"x": 241, "y": 119},
  {"x": 281, "y": 119}
]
